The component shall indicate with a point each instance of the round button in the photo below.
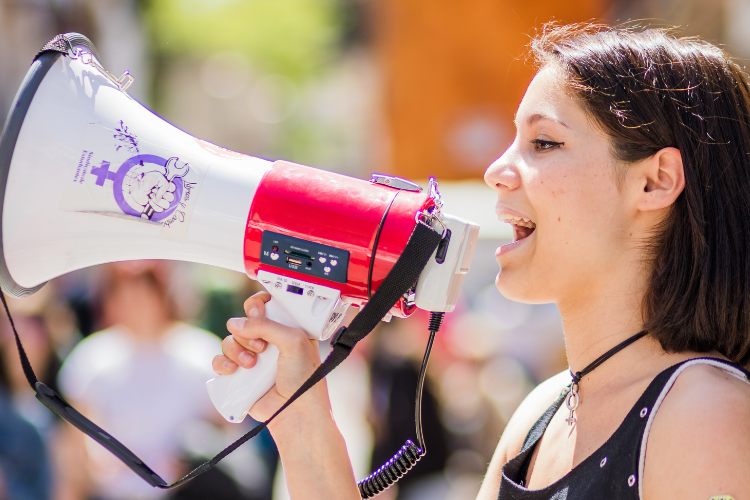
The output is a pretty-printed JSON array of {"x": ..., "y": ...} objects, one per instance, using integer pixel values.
[
  {"x": 322, "y": 260},
  {"x": 278, "y": 284},
  {"x": 334, "y": 262},
  {"x": 274, "y": 256},
  {"x": 310, "y": 293},
  {"x": 327, "y": 269},
  {"x": 275, "y": 248}
]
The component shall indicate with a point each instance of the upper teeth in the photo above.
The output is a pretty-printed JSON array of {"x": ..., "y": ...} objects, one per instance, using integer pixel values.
[{"x": 520, "y": 221}]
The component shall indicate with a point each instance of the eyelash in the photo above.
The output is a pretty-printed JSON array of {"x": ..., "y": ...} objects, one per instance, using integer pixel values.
[{"x": 542, "y": 145}]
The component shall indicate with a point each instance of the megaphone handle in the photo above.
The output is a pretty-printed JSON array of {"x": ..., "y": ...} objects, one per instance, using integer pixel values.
[{"x": 233, "y": 395}]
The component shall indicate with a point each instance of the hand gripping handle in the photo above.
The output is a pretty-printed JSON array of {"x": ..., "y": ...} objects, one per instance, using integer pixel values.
[{"x": 233, "y": 395}]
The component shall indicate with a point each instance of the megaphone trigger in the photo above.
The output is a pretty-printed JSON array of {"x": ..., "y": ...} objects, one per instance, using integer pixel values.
[{"x": 316, "y": 309}]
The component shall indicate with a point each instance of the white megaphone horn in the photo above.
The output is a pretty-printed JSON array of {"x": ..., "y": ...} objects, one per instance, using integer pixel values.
[{"x": 89, "y": 176}]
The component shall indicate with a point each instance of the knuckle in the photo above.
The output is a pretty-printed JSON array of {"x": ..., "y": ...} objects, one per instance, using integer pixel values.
[
  {"x": 261, "y": 322},
  {"x": 300, "y": 340},
  {"x": 255, "y": 326}
]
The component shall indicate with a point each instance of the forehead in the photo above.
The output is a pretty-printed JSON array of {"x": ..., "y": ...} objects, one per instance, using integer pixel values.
[{"x": 548, "y": 98}]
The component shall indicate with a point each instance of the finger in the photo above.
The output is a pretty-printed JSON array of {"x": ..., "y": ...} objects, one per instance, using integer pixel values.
[
  {"x": 290, "y": 341},
  {"x": 238, "y": 354},
  {"x": 256, "y": 305},
  {"x": 246, "y": 338},
  {"x": 223, "y": 365}
]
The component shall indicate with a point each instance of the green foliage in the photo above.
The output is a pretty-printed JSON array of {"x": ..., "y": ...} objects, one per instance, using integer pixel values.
[{"x": 295, "y": 38}]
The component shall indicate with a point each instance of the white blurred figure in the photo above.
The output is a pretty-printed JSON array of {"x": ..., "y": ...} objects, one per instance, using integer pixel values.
[{"x": 142, "y": 379}]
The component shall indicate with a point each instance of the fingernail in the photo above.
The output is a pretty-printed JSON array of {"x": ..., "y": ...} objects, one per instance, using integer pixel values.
[
  {"x": 253, "y": 312},
  {"x": 236, "y": 323},
  {"x": 256, "y": 344},
  {"x": 246, "y": 358},
  {"x": 228, "y": 365}
]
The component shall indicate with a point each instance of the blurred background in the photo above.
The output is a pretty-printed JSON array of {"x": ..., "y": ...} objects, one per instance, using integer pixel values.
[{"x": 406, "y": 87}]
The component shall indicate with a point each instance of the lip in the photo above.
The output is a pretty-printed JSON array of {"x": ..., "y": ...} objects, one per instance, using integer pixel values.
[
  {"x": 504, "y": 213},
  {"x": 512, "y": 246}
]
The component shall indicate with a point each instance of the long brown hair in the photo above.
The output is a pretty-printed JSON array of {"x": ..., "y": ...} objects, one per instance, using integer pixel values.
[{"x": 649, "y": 90}]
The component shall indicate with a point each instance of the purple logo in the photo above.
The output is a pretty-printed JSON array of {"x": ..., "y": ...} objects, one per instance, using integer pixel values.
[{"x": 146, "y": 186}]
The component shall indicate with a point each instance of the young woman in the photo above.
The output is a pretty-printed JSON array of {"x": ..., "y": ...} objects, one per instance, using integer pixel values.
[{"x": 631, "y": 172}]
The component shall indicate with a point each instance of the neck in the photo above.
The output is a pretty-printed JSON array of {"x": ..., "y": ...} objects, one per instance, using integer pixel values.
[
  {"x": 604, "y": 315},
  {"x": 147, "y": 331},
  {"x": 602, "y": 319}
]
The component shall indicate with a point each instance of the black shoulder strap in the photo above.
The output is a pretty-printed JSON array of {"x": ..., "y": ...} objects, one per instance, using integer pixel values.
[
  {"x": 537, "y": 430},
  {"x": 422, "y": 243}
]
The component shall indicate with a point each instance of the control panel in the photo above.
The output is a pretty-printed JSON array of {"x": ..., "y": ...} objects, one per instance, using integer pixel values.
[{"x": 314, "y": 259}]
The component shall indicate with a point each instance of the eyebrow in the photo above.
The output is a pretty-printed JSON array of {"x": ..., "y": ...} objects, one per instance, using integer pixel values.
[{"x": 539, "y": 116}]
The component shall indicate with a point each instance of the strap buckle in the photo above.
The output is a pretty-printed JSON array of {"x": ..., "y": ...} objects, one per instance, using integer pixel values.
[
  {"x": 426, "y": 218},
  {"x": 337, "y": 336}
]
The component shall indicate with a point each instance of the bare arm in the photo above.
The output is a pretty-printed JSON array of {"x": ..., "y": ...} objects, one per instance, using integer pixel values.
[
  {"x": 312, "y": 449},
  {"x": 528, "y": 412}
]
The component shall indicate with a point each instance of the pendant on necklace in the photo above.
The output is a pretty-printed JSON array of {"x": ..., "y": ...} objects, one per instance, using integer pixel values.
[{"x": 571, "y": 402}]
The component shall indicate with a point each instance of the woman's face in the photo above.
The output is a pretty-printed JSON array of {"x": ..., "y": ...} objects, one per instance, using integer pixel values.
[{"x": 559, "y": 175}]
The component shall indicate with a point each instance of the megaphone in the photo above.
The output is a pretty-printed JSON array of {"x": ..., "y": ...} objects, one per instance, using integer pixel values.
[{"x": 89, "y": 176}]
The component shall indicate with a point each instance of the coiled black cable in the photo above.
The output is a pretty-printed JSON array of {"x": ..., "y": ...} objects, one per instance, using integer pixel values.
[{"x": 410, "y": 453}]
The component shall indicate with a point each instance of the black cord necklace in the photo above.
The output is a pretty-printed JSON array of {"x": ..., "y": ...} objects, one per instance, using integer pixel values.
[{"x": 573, "y": 399}]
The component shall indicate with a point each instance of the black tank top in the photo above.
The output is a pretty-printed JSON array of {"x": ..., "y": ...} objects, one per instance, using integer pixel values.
[{"x": 614, "y": 470}]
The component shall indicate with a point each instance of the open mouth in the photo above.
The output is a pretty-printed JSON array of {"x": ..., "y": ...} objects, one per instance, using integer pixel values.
[{"x": 522, "y": 227}]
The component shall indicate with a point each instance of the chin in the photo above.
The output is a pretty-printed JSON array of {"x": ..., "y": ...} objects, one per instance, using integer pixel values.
[{"x": 516, "y": 285}]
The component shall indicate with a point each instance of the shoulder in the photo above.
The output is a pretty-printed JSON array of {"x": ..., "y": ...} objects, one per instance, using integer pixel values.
[
  {"x": 91, "y": 357},
  {"x": 529, "y": 411},
  {"x": 699, "y": 442},
  {"x": 525, "y": 416},
  {"x": 192, "y": 346}
]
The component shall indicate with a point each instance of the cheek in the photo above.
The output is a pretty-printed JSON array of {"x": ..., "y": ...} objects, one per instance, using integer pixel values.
[
  {"x": 575, "y": 197},
  {"x": 555, "y": 196},
  {"x": 581, "y": 224}
]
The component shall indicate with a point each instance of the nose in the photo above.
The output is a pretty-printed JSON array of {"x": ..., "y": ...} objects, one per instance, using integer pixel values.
[{"x": 503, "y": 174}]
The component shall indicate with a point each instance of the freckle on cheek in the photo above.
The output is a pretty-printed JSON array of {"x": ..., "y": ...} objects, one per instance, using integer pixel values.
[{"x": 558, "y": 219}]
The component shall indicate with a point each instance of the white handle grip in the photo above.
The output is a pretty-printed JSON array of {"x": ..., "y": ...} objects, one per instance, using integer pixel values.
[{"x": 233, "y": 395}]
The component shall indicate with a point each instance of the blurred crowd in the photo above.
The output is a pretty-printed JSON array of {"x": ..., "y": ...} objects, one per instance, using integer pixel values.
[
  {"x": 328, "y": 83},
  {"x": 130, "y": 346}
]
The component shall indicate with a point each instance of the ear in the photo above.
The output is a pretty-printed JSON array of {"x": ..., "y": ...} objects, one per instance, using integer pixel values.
[{"x": 660, "y": 180}]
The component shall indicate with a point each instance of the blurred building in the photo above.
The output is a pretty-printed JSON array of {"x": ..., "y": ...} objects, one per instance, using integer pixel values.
[{"x": 453, "y": 75}]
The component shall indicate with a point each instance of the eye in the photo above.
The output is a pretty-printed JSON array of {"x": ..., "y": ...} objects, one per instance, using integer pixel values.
[{"x": 542, "y": 145}]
